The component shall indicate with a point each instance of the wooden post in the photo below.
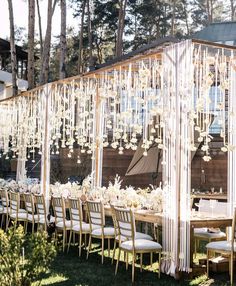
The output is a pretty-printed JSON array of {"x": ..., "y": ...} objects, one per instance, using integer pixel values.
[
  {"x": 98, "y": 137},
  {"x": 21, "y": 171},
  {"x": 45, "y": 159}
]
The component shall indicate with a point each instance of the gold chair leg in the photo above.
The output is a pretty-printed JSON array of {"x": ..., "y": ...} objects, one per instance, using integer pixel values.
[
  {"x": 109, "y": 246},
  {"x": 159, "y": 272},
  {"x": 127, "y": 260},
  {"x": 141, "y": 262},
  {"x": 80, "y": 243},
  {"x": 114, "y": 252},
  {"x": 2, "y": 220},
  {"x": 68, "y": 247},
  {"x": 102, "y": 250},
  {"x": 89, "y": 246},
  {"x": 207, "y": 263},
  {"x": 151, "y": 259},
  {"x": 117, "y": 262},
  {"x": 63, "y": 239},
  {"x": 85, "y": 239},
  {"x": 32, "y": 227},
  {"x": 7, "y": 222},
  {"x": 231, "y": 269},
  {"x": 133, "y": 266},
  {"x": 25, "y": 226}
]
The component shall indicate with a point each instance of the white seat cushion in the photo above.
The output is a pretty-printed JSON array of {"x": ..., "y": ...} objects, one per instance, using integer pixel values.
[
  {"x": 42, "y": 220},
  {"x": 141, "y": 244},
  {"x": 108, "y": 231},
  {"x": 221, "y": 245},
  {"x": 20, "y": 216},
  {"x": 138, "y": 235},
  {"x": 5, "y": 211},
  {"x": 60, "y": 224},
  {"x": 36, "y": 218},
  {"x": 204, "y": 233},
  {"x": 85, "y": 227}
]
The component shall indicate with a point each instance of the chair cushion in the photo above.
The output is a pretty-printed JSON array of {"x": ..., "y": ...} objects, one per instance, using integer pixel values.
[
  {"x": 221, "y": 245},
  {"x": 5, "y": 210},
  {"x": 36, "y": 217},
  {"x": 1, "y": 209},
  {"x": 20, "y": 216},
  {"x": 138, "y": 235},
  {"x": 108, "y": 231},
  {"x": 42, "y": 220},
  {"x": 85, "y": 227},
  {"x": 141, "y": 244},
  {"x": 60, "y": 224},
  {"x": 204, "y": 233}
]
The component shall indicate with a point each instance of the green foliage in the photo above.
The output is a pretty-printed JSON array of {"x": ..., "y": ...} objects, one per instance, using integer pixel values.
[{"x": 23, "y": 257}]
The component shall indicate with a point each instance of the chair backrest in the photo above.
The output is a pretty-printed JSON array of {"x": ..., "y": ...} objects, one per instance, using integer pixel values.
[
  {"x": 29, "y": 203},
  {"x": 59, "y": 209},
  {"x": 95, "y": 213},
  {"x": 4, "y": 198},
  {"x": 126, "y": 223},
  {"x": 115, "y": 223},
  {"x": 76, "y": 212},
  {"x": 40, "y": 204},
  {"x": 14, "y": 202}
]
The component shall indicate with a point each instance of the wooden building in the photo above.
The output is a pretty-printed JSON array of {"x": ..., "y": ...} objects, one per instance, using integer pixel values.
[{"x": 5, "y": 69}]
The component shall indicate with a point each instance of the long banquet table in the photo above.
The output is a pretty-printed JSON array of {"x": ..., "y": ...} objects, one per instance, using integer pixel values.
[{"x": 197, "y": 220}]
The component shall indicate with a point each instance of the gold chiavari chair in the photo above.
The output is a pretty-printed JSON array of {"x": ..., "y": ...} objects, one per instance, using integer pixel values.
[
  {"x": 225, "y": 247},
  {"x": 61, "y": 223},
  {"x": 128, "y": 243},
  {"x": 16, "y": 213},
  {"x": 78, "y": 225},
  {"x": 5, "y": 207},
  {"x": 32, "y": 217},
  {"x": 138, "y": 235},
  {"x": 202, "y": 234},
  {"x": 97, "y": 226},
  {"x": 42, "y": 213}
]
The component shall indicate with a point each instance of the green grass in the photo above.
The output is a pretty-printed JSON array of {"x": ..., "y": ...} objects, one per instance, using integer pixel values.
[{"x": 70, "y": 270}]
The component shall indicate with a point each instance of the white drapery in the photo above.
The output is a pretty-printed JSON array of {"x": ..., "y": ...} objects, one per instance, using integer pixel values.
[
  {"x": 177, "y": 89},
  {"x": 231, "y": 193}
]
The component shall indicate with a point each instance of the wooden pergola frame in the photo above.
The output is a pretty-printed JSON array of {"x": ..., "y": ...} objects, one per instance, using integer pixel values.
[{"x": 122, "y": 64}]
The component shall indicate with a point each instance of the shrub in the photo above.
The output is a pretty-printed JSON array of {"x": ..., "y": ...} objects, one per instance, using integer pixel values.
[{"x": 23, "y": 257}]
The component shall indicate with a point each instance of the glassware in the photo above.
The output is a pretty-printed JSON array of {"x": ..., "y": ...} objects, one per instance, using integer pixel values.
[{"x": 212, "y": 206}]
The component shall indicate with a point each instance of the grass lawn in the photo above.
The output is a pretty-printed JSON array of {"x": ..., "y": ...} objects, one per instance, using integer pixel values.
[{"x": 70, "y": 270}]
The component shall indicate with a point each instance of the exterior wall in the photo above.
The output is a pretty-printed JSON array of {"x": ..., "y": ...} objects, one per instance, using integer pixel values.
[{"x": 6, "y": 82}]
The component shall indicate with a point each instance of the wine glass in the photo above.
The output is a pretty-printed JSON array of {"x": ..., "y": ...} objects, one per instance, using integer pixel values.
[{"x": 212, "y": 206}]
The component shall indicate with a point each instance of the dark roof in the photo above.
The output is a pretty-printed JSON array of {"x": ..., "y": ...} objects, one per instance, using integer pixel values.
[
  {"x": 5, "y": 47},
  {"x": 224, "y": 32},
  {"x": 158, "y": 44}
]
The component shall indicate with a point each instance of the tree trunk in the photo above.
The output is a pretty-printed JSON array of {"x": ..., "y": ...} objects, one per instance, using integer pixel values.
[
  {"x": 209, "y": 9},
  {"x": 173, "y": 18},
  {"x": 13, "y": 50},
  {"x": 186, "y": 17},
  {"x": 121, "y": 26},
  {"x": 44, "y": 70},
  {"x": 81, "y": 38},
  {"x": 31, "y": 25},
  {"x": 232, "y": 8},
  {"x": 62, "y": 73},
  {"x": 91, "y": 64},
  {"x": 40, "y": 29}
]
